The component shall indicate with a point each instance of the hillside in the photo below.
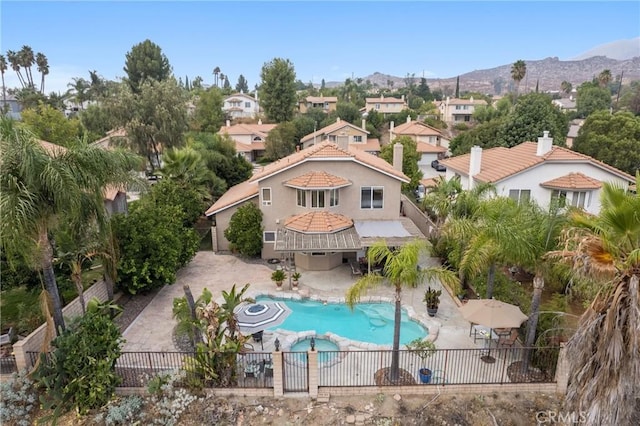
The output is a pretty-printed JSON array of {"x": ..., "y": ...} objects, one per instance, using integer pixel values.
[{"x": 550, "y": 72}]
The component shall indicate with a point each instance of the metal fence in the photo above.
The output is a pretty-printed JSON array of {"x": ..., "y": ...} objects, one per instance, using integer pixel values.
[
  {"x": 8, "y": 364},
  {"x": 446, "y": 366},
  {"x": 295, "y": 371}
]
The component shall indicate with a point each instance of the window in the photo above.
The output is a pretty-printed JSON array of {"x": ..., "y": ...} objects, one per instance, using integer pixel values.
[
  {"x": 333, "y": 197},
  {"x": 266, "y": 196},
  {"x": 371, "y": 197},
  {"x": 520, "y": 195},
  {"x": 357, "y": 138},
  {"x": 301, "y": 197},
  {"x": 377, "y": 106},
  {"x": 332, "y": 138},
  {"x": 269, "y": 237},
  {"x": 559, "y": 197},
  {"x": 317, "y": 199},
  {"x": 579, "y": 199},
  {"x": 247, "y": 104}
]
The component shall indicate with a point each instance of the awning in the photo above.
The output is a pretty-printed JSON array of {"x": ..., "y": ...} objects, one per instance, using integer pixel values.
[
  {"x": 291, "y": 241},
  {"x": 394, "y": 232}
]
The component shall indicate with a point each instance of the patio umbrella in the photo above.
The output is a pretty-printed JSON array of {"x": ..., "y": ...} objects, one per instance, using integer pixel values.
[
  {"x": 492, "y": 313},
  {"x": 259, "y": 316}
]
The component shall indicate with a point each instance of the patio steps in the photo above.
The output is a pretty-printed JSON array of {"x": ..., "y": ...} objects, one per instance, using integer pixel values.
[{"x": 323, "y": 396}]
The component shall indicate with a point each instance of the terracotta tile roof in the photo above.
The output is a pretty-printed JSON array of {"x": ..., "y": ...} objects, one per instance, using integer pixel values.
[
  {"x": 317, "y": 180},
  {"x": 244, "y": 147},
  {"x": 455, "y": 101},
  {"x": 105, "y": 142},
  {"x": 572, "y": 181},
  {"x": 52, "y": 148},
  {"x": 242, "y": 95},
  {"x": 111, "y": 192},
  {"x": 329, "y": 150},
  {"x": 416, "y": 128},
  {"x": 429, "y": 182},
  {"x": 319, "y": 99},
  {"x": 384, "y": 100},
  {"x": 248, "y": 129},
  {"x": 372, "y": 145},
  {"x": 318, "y": 222},
  {"x": 427, "y": 148},
  {"x": 330, "y": 129},
  {"x": 234, "y": 195},
  {"x": 500, "y": 163}
]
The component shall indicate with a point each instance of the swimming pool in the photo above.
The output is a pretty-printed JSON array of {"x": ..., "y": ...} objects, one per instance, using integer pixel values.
[{"x": 368, "y": 322}]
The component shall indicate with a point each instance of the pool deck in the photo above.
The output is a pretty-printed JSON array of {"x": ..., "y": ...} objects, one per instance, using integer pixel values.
[{"x": 152, "y": 329}]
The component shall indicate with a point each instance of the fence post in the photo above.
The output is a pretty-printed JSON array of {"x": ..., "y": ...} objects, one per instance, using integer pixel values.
[
  {"x": 20, "y": 354},
  {"x": 278, "y": 374},
  {"x": 312, "y": 371},
  {"x": 562, "y": 370}
]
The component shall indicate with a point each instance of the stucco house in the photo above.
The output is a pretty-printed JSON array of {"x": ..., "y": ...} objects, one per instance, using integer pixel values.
[
  {"x": 385, "y": 105},
  {"x": 357, "y": 137},
  {"x": 540, "y": 171},
  {"x": 322, "y": 206},
  {"x": 325, "y": 103},
  {"x": 11, "y": 106},
  {"x": 241, "y": 105},
  {"x": 430, "y": 142},
  {"x": 453, "y": 110},
  {"x": 249, "y": 138}
]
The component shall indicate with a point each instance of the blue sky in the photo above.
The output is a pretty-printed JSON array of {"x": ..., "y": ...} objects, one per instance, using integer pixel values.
[{"x": 330, "y": 40}]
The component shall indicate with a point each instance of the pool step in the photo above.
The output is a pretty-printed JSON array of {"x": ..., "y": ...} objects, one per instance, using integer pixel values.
[{"x": 323, "y": 396}]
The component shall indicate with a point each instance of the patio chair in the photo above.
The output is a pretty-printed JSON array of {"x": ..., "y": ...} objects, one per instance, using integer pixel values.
[
  {"x": 507, "y": 340},
  {"x": 355, "y": 268}
]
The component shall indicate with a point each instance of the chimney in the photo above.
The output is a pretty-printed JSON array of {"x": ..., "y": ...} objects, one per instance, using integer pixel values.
[
  {"x": 364, "y": 123},
  {"x": 382, "y": 96},
  {"x": 447, "y": 100},
  {"x": 343, "y": 141},
  {"x": 256, "y": 95},
  {"x": 471, "y": 99},
  {"x": 402, "y": 97},
  {"x": 228, "y": 123},
  {"x": 391, "y": 126},
  {"x": 544, "y": 144},
  {"x": 408, "y": 119},
  {"x": 259, "y": 121},
  {"x": 338, "y": 120},
  {"x": 475, "y": 163},
  {"x": 397, "y": 156}
]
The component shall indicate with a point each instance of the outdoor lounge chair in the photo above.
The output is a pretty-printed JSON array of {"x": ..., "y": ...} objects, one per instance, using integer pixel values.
[
  {"x": 355, "y": 268},
  {"x": 507, "y": 340}
]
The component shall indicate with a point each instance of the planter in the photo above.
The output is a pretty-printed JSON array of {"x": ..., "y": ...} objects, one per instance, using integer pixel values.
[
  {"x": 432, "y": 311},
  {"x": 294, "y": 284},
  {"x": 278, "y": 285},
  {"x": 425, "y": 375}
]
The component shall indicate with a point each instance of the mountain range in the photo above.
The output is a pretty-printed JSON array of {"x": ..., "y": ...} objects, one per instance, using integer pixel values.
[{"x": 547, "y": 73}]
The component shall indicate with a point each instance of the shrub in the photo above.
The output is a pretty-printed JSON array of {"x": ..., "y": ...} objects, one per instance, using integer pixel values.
[
  {"x": 18, "y": 399},
  {"x": 168, "y": 402},
  {"x": 125, "y": 411},
  {"x": 80, "y": 372},
  {"x": 245, "y": 230}
]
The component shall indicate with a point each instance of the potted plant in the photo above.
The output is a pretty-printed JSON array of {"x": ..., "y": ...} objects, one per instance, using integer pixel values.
[
  {"x": 278, "y": 277},
  {"x": 432, "y": 300},
  {"x": 424, "y": 349},
  {"x": 295, "y": 279}
]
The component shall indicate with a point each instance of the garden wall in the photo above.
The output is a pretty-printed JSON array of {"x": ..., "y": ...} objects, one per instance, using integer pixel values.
[
  {"x": 34, "y": 341},
  {"x": 413, "y": 212}
]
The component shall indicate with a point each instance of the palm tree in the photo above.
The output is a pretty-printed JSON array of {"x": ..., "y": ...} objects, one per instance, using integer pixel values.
[
  {"x": 518, "y": 71},
  {"x": 216, "y": 71},
  {"x": 42, "y": 183},
  {"x": 604, "y": 78},
  {"x": 493, "y": 235},
  {"x": 15, "y": 61},
  {"x": 566, "y": 87},
  {"x": 232, "y": 300},
  {"x": 400, "y": 270},
  {"x": 79, "y": 90},
  {"x": 43, "y": 68},
  {"x": 3, "y": 69},
  {"x": 187, "y": 167},
  {"x": 604, "y": 366},
  {"x": 27, "y": 59}
]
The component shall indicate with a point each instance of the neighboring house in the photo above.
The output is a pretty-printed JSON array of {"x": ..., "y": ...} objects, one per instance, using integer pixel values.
[
  {"x": 240, "y": 105},
  {"x": 538, "y": 171},
  {"x": 115, "y": 199},
  {"x": 114, "y": 138},
  {"x": 458, "y": 110},
  {"x": 12, "y": 106},
  {"x": 565, "y": 104},
  {"x": 249, "y": 138},
  {"x": 388, "y": 105},
  {"x": 357, "y": 137},
  {"x": 327, "y": 104},
  {"x": 322, "y": 205},
  {"x": 431, "y": 143},
  {"x": 574, "y": 128}
]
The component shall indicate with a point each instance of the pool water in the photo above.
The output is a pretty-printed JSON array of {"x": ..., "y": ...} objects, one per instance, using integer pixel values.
[
  {"x": 368, "y": 322},
  {"x": 321, "y": 346}
]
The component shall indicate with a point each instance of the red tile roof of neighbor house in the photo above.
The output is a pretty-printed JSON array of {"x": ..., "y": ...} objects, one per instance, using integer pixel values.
[
  {"x": 247, "y": 129},
  {"x": 572, "y": 181},
  {"x": 372, "y": 145},
  {"x": 318, "y": 222},
  {"x": 416, "y": 128},
  {"x": 317, "y": 180},
  {"x": 384, "y": 100},
  {"x": 500, "y": 163},
  {"x": 427, "y": 148},
  {"x": 330, "y": 129},
  {"x": 319, "y": 152},
  {"x": 245, "y": 147},
  {"x": 105, "y": 142}
]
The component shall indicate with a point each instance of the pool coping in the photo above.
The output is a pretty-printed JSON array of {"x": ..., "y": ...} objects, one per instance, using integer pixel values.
[{"x": 292, "y": 337}]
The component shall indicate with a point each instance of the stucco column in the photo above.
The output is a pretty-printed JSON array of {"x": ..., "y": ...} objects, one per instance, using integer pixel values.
[
  {"x": 562, "y": 371},
  {"x": 278, "y": 385},
  {"x": 312, "y": 368}
]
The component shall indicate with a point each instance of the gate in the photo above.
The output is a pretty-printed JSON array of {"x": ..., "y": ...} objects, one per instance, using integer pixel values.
[{"x": 295, "y": 372}]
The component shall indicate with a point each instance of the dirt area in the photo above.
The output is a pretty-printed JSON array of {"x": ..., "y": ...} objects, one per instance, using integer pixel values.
[{"x": 473, "y": 410}]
